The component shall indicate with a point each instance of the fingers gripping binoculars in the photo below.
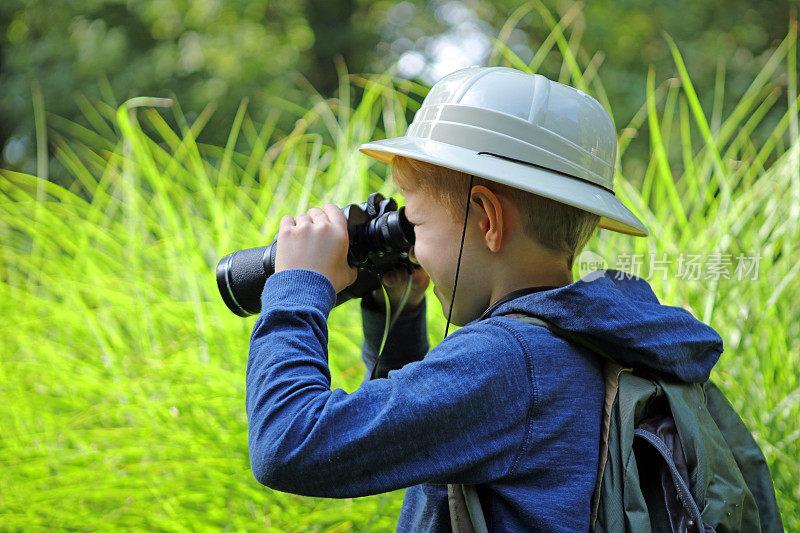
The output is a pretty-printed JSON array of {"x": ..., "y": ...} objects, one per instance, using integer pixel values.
[{"x": 380, "y": 240}]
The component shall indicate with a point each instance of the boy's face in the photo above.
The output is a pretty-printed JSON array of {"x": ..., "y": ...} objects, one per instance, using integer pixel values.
[{"x": 437, "y": 241}]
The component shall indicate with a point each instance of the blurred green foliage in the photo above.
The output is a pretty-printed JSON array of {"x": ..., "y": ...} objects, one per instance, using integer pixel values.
[
  {"x": 730, "y": 39},
  {"x": 202, "y": 51},
  {"x": 220, "y": 52}
]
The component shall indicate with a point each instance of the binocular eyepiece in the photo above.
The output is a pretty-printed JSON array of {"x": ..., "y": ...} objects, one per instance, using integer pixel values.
[{"x": 380, "y": 240}]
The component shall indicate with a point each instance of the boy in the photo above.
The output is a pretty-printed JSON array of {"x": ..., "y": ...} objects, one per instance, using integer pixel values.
[{"x": 505, "y": 177}]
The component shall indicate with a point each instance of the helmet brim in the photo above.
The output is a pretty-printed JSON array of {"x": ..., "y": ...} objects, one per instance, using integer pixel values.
[{"x": 614, "y": 215}]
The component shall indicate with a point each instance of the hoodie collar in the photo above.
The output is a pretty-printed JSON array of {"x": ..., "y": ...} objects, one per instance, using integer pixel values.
[
  {"x": 620, "y": 313},
  {"x": 512, "y": 295}
]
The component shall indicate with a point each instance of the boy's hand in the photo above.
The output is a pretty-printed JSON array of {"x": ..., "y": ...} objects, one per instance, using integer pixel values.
[
  {"x": 316, "y": 241},
  {"x": 395, "y": 283}
]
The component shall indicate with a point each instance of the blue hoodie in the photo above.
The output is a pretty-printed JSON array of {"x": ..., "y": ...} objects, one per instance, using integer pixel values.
[{"x": 499, "y": 403}]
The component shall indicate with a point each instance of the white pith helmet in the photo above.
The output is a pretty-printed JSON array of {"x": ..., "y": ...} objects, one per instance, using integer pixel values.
[{"x": 522, "y": 130}]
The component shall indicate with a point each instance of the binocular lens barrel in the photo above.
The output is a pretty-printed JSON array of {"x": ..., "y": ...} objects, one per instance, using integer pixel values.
[
  {"x": 380, "y": 239},
  {"x": 241, "y": 277}
]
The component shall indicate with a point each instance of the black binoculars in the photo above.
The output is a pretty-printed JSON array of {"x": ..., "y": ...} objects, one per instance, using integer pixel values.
[{"x": 380, "y": 240}]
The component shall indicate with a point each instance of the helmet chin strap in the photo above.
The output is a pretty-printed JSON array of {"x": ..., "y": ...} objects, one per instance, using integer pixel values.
[{"x": 458, "y": 265}]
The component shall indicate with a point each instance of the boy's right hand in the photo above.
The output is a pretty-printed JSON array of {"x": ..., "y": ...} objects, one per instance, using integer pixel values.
[{"x": 395, "y": 283}]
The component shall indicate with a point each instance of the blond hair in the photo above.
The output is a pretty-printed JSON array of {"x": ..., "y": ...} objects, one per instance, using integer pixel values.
[{"x": 553, "y": 225}]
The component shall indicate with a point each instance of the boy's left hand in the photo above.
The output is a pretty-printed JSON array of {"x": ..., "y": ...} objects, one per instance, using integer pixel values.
[{"x": 316, "y": 241}]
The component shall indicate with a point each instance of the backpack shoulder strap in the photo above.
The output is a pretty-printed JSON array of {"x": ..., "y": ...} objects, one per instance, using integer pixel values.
[
  {"x": 611, "y": 373},
  {"x": 466, "y": 515}
]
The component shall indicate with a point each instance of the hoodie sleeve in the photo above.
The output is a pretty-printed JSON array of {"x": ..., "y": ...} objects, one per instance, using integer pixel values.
[
  {"x": 407, "y": 340},
  {"x": 458, "y": 416}
]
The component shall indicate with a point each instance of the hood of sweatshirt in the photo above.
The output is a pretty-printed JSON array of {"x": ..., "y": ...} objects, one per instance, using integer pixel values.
[{"x": 619, "y": 313}]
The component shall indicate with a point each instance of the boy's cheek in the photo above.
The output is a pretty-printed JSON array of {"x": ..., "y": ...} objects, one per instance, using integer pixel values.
[{"x": 412, "y": 256}]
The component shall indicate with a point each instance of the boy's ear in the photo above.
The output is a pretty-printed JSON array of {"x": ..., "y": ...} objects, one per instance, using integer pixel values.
[{"x": 492, "y": 221}]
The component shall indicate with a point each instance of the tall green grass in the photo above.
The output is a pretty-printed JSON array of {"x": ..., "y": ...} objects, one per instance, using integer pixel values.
[{"x": 122, "y": 372}]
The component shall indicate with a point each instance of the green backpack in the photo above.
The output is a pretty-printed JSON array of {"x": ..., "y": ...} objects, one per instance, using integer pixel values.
[{"x": 674, "y": 456}]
